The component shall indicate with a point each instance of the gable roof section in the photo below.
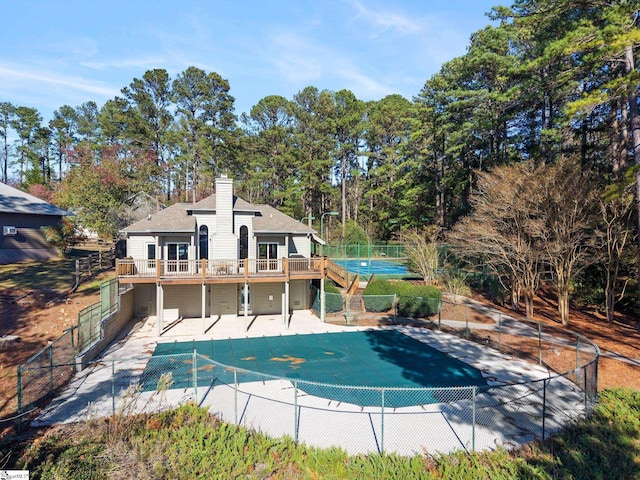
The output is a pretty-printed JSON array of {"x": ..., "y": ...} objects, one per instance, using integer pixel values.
[
  {"x": 177, "y": 218},
  {"x": 274, "y": 221},
  {"x": 209, "y": 203},
  {"x": 173, "y": 219},
  {"x": 13, "y": 200}
]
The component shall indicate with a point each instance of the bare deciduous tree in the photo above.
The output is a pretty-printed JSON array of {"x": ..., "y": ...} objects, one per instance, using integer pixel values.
[
  {"x": 567, "y": 210},
  {"x": 422, "y": 250},
  {"x": 500, "y": 233}
]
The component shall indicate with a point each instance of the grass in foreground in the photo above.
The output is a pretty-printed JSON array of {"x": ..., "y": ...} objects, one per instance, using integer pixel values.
[{"x": 188, "y": 443}]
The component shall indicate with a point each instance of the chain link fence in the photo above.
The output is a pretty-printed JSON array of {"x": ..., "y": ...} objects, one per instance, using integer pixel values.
[
  {"x": 90, "y": 318},
  {"x": 43, "y": 375},
  {"x": 365, "y": 251},
  {"x": 521, "y": 403}
]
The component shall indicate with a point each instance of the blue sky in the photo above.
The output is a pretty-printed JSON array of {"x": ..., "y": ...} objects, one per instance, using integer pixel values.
[{"x": 69, "y": 52}]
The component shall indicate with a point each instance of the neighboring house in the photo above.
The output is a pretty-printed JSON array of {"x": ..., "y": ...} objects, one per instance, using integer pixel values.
[
  {"x": 220, "y": 256},
  {"x": 21, "y": 217}
]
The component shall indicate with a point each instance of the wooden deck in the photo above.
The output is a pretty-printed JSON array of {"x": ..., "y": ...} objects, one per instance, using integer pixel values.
[{"x": 220, "y": 271}]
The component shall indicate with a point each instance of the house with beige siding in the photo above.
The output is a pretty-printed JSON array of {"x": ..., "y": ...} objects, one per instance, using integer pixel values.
[{"x": 220, "y": 256}]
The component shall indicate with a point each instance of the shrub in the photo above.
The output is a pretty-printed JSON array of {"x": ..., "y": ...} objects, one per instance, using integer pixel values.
[
  {"x": 379, "y": 287},
  {"x": 414, "y": 301},
  {"x": 333, "y": 302},
  {"x": 378, "y": 303},
  {"x": 333, "y": 299}
]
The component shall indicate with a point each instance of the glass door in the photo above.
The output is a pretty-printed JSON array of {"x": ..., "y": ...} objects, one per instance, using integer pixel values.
[
  {"x": 177, "y": 257},
  {"x": 268, "y": 256}
]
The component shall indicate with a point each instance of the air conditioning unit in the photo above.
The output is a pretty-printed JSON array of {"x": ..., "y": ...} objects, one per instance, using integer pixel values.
[{"x": 7, "y": 230}]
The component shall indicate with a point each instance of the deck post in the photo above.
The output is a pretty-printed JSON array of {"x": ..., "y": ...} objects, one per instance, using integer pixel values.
[
  {"x": 323, "y": 307},
  {"x": 282, "y": 309},
  {"x": 204, "y": 304},
  {"x": 246, "y": 303},
  {"x": 159, "y": 308},
  {"x": 285, "y": 306}
]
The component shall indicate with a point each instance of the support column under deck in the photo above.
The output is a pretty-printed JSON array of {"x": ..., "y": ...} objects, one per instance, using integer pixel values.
[
  {"x": 285, "y": 305},
  {"x": 246, "y": 304},
  {"x": 204, "y": 306},
  {"x": 159, "y": 308},
  {"x": 323, "y": 305}
]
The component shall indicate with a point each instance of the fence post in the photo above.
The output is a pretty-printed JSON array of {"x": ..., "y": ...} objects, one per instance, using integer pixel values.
[
  {"x": 295, "y": 412},
  {"x": 586, "y": 393},
  {"x": 473, "y": 419},
  {"x": 235, "y": 395},
  {"x": 51, "y": 385},
  {"x": 577, "y": 355},
  {"x": 72, "y": 331},
  {"x": 382, "y": 422},
  {"x": 439, "y": 316},
  {"x": 19, "y": 411},
  {"x": 395, "y": 307},
  {"x": 195, "y": 376},
  {"x": 113, "y": 387},
  {"x": 544, "y": 405},
  {"x": 77, "y": 275},
  {"x": 540, "y": 343},
  {"x": 466, "y": 321},
  {"x": 500, "y": 331}
]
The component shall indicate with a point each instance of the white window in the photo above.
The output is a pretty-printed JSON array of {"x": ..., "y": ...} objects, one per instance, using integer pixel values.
[
  {"x": 151, "y": 255},
  {"x": 9, "y": 230}
]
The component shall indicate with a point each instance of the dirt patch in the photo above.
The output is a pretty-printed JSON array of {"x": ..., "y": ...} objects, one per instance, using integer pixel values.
[{"x": 37, "y": 318}]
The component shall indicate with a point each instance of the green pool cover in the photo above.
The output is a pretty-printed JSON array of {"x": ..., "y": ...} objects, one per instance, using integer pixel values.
[{"x": 373, "y": 358}]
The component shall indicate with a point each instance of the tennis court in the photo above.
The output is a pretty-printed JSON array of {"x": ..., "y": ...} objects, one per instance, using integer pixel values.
[
  {"x": 368, "y": 266},
  {"x": 372, "y": 358}
]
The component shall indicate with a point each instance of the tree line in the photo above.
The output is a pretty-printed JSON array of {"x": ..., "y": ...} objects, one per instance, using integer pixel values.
[{"x": 549, "y": 83}]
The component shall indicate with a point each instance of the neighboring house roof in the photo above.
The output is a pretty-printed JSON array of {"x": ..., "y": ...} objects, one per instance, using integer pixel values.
[
  {"x": 173, "y": 219},
  {"x": 274, "y": 221},
  {"x": 13, "y": 200}
]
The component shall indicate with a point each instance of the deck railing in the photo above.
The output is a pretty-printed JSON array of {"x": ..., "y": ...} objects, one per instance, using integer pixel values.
[{"x": 281, "y": 267}]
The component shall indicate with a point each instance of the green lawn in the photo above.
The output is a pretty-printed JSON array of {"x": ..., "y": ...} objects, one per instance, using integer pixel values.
[
  {"x": 56, "y": 274},
  {"x": 188, "y": 443}
]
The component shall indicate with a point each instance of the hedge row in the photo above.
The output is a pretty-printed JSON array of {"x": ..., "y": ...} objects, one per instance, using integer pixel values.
[
  {"x": 333, "y": 299},
  {"x": 414, "y": 301}
]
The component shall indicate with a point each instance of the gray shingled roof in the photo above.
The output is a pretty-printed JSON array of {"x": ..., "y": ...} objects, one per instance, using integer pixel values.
[
  {"x": 176, "y": 218},
  {"x": 171, "y": 219},
  {"x": 13, "y": 200},
  {"x": 274, "y": 221},
  {"x": 239, "y": 204}
]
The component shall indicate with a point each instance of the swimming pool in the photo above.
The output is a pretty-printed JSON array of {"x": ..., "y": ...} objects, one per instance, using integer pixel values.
[
  {"x": 373, "y": 358},
  {"x": 368, "y": 266}
]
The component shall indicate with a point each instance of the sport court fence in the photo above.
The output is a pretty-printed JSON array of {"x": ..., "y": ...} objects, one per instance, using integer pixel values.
[
  {"x": 359, "y": 418},
  {"x": 372, "y": 250}
]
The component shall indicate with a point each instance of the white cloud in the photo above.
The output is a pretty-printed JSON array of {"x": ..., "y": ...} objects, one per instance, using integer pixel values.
[
  {"x": 297, "y": 59},
  {"x": 144, "y": 63},
  {"x": 363, "y": 85},
  {"x": 387, "y": 20},
  {"x": 20, "y": 75}
]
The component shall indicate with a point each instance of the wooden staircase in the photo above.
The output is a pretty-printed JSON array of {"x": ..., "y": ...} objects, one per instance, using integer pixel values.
[{"x": 339, "y": 274}]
